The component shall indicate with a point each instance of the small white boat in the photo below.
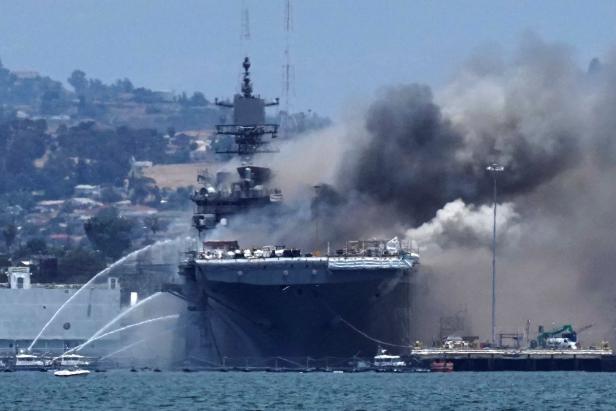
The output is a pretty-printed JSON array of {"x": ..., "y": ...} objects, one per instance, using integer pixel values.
[{"x": 71, "y": 373}]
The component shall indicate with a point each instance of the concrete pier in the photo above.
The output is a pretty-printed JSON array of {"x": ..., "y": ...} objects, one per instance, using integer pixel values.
[{"x": 519, "y": 360}]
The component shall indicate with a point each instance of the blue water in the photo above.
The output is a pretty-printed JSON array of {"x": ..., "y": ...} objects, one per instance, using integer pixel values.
[{"x": 124, "y": 390}]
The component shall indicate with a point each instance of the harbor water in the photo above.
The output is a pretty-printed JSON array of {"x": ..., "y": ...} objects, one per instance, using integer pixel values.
[{"x": 310, "y": 391}]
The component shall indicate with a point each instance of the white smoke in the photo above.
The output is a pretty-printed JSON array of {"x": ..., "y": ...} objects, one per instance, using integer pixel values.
[{"x": 460, "y": 225}]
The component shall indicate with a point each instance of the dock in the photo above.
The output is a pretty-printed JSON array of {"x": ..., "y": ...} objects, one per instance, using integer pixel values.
[
  {"x": 418, "y": 360},
  {"x": 519, "y": 359}
]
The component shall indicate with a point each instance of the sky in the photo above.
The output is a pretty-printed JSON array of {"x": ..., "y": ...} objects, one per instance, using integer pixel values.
[{"x": 342, "y": 51}]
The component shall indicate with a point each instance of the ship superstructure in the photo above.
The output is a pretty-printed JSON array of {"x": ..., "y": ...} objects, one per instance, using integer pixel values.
[
  {"x": 274, "y": 300},
  {"x": 221, "y": 196}
]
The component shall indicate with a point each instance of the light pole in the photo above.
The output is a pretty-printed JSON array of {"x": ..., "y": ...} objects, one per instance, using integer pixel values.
[
  {"x": 317, "y": 212},
  {"x": 494, "y": 169}
]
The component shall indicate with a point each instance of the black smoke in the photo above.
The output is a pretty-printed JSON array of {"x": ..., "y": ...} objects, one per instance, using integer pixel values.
[
  {"x": 415, "y": 161},
  {"x": 409, "y": 160},
  {"x": 413, "y": 164}
]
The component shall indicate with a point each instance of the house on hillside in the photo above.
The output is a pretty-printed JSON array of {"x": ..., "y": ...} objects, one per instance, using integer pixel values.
[{"x": 87, "y": 191}]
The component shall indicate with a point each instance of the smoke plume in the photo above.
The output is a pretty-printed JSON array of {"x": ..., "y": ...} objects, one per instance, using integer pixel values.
[{"x": 414, "y": 164}]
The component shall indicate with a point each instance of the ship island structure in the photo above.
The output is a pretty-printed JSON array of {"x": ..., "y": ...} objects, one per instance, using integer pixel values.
[{"x": 276, "y": 301}]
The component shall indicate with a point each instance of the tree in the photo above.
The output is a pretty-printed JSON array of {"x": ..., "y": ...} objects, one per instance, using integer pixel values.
[
  {"x": 123, "y": 86},
  {"x": 144, "y": 191},
  {"x": 78, "y": 81},
  {"x": 110, "y": 195},
  {"x": 36, "y": 246},
  {"x": 198, "y": 99},
  {"x": 9, "y": 233},
  {"x": 109, "y": 233},
  {"x": 152, "y": 223},
  {"x": 178, "y": 199},
  {"x": 78, "y": 265}
]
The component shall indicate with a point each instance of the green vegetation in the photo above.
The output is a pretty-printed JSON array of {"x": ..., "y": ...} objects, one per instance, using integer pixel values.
[
  {"x": 109, "y": 232},
  {"x": 100, "y": 137},
  {"x": 79, "y": 264},
  {"x": 83, "y": 154},
  {"x": 29, "y": 89},
  {"x": 9, "y": 233}
]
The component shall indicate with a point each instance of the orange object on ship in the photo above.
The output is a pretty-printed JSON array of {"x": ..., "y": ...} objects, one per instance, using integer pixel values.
[{"x": 441, "y": 366}]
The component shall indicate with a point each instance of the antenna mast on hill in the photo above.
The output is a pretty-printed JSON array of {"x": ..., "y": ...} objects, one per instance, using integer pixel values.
[
  {"x": 245, "y": 33},
  {"x": 244, "y": 37},
  {"x": 287, "y": 69}
]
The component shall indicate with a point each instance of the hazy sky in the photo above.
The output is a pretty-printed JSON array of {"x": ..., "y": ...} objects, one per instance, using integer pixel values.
[{"x": 342, "y": 50}]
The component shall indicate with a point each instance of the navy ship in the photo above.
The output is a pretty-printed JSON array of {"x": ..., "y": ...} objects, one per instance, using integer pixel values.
[
  {"x": 274, "y": 300},
  {"x": 26, "y": 307}
]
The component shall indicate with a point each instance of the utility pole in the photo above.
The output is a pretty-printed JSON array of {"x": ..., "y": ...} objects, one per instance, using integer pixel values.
[
  {"x": 317, "y": 216},
  {"x": 494, "y": 169}
]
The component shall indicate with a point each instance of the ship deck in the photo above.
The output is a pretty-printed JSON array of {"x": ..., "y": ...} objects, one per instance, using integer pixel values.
[{"x": 332, "y": 263}]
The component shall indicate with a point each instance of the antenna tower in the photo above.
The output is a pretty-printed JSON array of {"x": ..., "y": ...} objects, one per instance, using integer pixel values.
[
  {"x": 287, "y": 69},
  {"x": 244, "y": 37},
  {"x": 245, "y": 34}
]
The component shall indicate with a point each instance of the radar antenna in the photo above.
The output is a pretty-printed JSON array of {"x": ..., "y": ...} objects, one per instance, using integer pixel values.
[
  {"x": 246, "y": 84},
  {"x": 249, "y": 129}
]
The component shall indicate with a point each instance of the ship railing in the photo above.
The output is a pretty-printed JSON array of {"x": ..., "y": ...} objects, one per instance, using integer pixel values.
[
  {"x": 212, "y": 254},
  {"x": 339, "y": 262},
  {"x": 203, "y": 256},
  {"x": 407, "y": 246},
  {"x": 59, "y": 286},
  {"x": 372, "y": 248},
  {"x": 234, "y": 129}
]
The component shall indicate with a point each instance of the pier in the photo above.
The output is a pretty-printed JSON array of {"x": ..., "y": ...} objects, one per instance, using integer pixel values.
[
  {"x": 519, "y": 360},
  {"x": 475, "y": 360}
]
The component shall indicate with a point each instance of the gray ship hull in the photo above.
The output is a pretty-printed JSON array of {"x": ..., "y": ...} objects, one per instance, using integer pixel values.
[
  {"x": 26, "y": 311},
  {"x": 296, "y": 308}
]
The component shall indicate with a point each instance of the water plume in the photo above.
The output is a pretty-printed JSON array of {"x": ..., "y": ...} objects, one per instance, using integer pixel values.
[
  {"x": 125, "y": 348},
  {"x": 122, "y": 329},
  {"x": 117, "y": 318},
  {"x": 90, "y": 282}
]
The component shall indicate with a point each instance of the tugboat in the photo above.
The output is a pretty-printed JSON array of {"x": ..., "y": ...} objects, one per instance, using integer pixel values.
[
  {"x": 384, "y": 362},
  {"x": 29, "y": 362},
  {"x": 73, "y": 360}
]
